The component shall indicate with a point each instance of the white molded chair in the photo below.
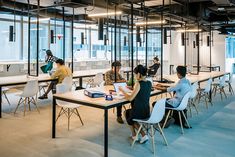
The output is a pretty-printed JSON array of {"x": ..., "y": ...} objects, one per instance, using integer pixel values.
[
  {"x": 4, "y": 92},
  {"x": 42, "y": 87},
  {"x": 180, "y": 108},
  {"x": 27, "y": 96},
  {"x": 192, "y": 97},
  {"x": 96, "y": 81},
  {"x": 229, "y": 82},
  {"x": 156, "y": 116},
  {"x": 220, "y": 86},
  {"x": 68, "y": 81},
  {"x": 67, "y": 108},
  {"x": 205, "y": 93}
]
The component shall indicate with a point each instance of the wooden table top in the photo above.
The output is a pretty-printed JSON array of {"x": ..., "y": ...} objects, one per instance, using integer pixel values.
[
  {"x": 203, "y": 76},
  {"x": 22, "y": 79},
  {"x": 79, "y": 97}
]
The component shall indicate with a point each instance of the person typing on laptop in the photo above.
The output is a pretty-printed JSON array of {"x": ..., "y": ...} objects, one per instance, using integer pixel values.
[
  {"x": 140, "y": 101},
  {"x": 110, "y": 79},
  {"x": 180, "y": 89}
]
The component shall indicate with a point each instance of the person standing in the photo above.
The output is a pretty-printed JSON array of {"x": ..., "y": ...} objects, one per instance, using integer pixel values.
[{"x": 110, "y": 79}]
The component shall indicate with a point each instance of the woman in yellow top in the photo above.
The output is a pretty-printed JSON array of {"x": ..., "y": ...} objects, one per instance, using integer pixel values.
[{"x": 61, "y": 72}]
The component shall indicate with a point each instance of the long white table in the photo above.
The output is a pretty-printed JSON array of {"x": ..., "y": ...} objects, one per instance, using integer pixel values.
[
  {"x": 22, "y": 79},
  {"x": 100, "y": 103}
]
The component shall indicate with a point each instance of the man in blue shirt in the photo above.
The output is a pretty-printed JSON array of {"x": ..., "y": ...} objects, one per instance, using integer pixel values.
[{"x": 180, "y": 89}]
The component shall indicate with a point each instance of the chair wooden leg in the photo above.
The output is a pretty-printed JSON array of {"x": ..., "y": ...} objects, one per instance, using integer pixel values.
[
  {"x": 190, "y": 107},
  {"x": 185, "y": 119},
  {"x": 35, "y": 103},
  {"x": 224, "y": 93},
  {"x": 209, "y": 100},
  {"x": 206, "y": 102},
  {"x": 231, "y": 88},
  {"x": 68, "y": 117},
  {"x": 29, "y": 104},
  {"x": 220, "y": 91},
  {"x": 161, "y": 132},
  {"x": 137, "y": 134},
  {"x": 181, "y": 125},
  {"x": 4, "y": 93},
  {"x": 194, "y": 105},
  {"x": 60, "y": 113},
  {"x": 152, "y": 136},
  {"x": 79, "y": 116},
  {"x": 19, "y": 102},
  {"x": 25, "y": 99},
  {"x": 166, "y": 119}
]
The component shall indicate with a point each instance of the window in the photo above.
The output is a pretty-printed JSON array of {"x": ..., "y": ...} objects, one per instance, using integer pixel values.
[
  {"x": 9, "y": 50},
  {"x": 230, "y": 47}
]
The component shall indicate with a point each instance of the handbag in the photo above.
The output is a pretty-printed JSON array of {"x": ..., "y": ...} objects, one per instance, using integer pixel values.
[{"x": 47, "y": 67}]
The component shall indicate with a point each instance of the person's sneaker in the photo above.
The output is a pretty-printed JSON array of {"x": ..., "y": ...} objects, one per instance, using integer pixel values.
[
  {"x": 144, "y": 139},
  {"x": 169, "y": 122},
  {"x": 43, "y": 97},
  {"x": 133, "y": 138},
  {"x": 120, "y": 120}
]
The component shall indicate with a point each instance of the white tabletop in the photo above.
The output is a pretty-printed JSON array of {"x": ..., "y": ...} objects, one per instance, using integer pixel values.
[
  {"x": 22, "y": 79},
  {"x": 79, "y": 97},
  {"x": 203, "y": 76}
]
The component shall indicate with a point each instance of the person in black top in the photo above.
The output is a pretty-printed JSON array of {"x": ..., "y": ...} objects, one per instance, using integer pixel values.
[
  {"x": 49, "y": 57},
  {"x": 140, "y": 101},
  {"x": 153, "y": 68}
]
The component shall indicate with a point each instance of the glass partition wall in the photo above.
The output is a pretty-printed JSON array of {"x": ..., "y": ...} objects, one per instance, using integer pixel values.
[{"x": 88, "y": 51}]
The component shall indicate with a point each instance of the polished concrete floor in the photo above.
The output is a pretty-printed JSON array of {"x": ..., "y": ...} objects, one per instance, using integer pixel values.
[{"x": 212, "y": 134}]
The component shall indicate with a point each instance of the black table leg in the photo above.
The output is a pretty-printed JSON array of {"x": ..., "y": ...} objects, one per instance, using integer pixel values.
[
  {"x": 0, "y": 101},
  {"x": 80, "y": 82},
  {"x": 127, "y": 75},
  {"x": 53, "y": 118},
  {"x": 105, "y": 133}
]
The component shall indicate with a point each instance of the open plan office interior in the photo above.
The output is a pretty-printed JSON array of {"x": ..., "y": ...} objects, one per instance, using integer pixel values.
[{"x": 117, "y": 78}]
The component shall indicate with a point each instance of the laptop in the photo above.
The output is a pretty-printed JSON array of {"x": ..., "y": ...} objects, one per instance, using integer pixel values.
[{"x": 121, "y": 84}]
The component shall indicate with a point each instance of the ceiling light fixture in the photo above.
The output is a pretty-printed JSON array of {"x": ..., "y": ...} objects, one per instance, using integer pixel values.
[
  {"x": 150, "y": 23},
  {"x": 105, "y": 14},
  {"x": 41, "y": 19},
  {"x": 188, "y": 30}
]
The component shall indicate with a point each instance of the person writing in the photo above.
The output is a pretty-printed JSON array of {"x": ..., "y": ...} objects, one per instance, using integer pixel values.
[
  {"x": 153, "y": 68},
  {"x": 61, "y": 72},
  {"x": 180, "y": 89},
  {"x": 140, "y": 102},
  {"x": 110, "y": 79}
]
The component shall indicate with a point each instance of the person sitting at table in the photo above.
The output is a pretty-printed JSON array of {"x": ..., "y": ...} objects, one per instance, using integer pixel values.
[
  {"x": 153, "y": 68},
  {"x": 61, "y": 72},
  {"x": 140, "y": 102},
  {"x": 110, "y": 79},
  {"x": 180, "y": 89}
]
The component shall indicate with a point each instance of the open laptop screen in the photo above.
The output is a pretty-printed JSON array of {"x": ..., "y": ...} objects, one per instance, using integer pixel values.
[{"x": 121, "y": 84}]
